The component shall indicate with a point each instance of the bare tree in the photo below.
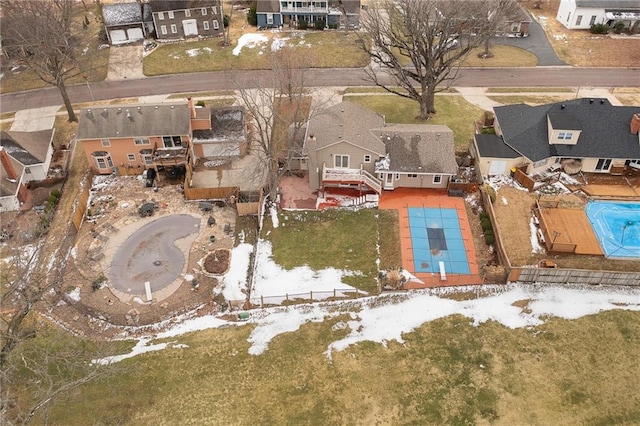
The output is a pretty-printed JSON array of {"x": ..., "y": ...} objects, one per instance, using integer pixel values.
[
  {"x": 421, "y": 43},
  {"x": 279, "y": 110},
  {"x": 50, "y": 40}
]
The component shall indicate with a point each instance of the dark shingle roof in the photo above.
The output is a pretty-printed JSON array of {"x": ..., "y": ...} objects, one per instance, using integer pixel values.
[
  {"x": 605, "y": 129},
  {"x": 28, "y": 148},
  {"x": 494, "y": 146},
  {"x": 227, "y": 124},
  {"x": 268, "y": 6},
  {"x": 166, "y": 5},
  {"x": 564, "y": 121},
  {"x": 419, "y": 148},
  {"x": 134, "y": 120}
]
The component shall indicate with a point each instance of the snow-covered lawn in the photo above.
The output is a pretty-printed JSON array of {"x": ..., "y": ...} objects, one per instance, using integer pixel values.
[{"x": 387, "y": 317}]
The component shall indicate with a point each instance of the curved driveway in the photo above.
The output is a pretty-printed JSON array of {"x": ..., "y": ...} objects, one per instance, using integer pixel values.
[
  {"x": 225, "y": 80},
  {"x": 150, "y": 254}
]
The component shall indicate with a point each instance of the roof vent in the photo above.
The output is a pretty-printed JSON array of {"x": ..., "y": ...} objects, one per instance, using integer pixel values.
[
  {"x": 591, "y": 100},
  {"x": 89, "y": 113},
  {"x": 172, "y": 106},
  {"x": 601, "y": 101},
  {"x": 157, "y": 107},
  {"x": 105, "y": 113},
  {"x": 119, "y": 110},
  {"x": 140, "y": 110},
  {"x": 562, "y": 106}
]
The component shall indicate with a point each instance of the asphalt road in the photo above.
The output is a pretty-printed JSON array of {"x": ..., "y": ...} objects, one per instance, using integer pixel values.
[{"x": 225, "y": 80}]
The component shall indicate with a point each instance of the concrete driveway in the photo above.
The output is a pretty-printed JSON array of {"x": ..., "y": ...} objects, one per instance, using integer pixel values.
[
  {"x": 32, "y": 120},
  {"x": 125, "y": 62},
  {"x": 537, "y": 43}
]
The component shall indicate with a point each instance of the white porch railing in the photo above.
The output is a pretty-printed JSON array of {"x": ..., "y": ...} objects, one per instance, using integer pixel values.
[{"x": 346, "y": 176}]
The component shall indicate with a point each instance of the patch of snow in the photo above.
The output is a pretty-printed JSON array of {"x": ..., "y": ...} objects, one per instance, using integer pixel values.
[
  {"x": 74, "y": 294},
  {"x": 273, "y": 283},
  {"x": 180, "y": 346},
  {"x": 140, "y": 348},
  {"x": 273, "y": 211},
  {"x": 249, "y": 40},
  {"x": 498, "y": 181},
  {"x": 234, "y": 282},
  {"x": 535, "y": 245},
  {"x": 278, "y": 43},
  {"x": 198, "y": 51},
  {"x": 505, "y": 201},
  {"x": 194, "y": 324}
]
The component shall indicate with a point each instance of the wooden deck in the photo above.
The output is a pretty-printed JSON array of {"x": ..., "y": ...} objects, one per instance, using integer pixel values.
[{"x": 568, "y": 228}]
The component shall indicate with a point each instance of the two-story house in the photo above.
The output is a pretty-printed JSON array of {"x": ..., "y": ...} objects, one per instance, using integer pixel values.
[
  {"x": 589, "y": 135},
  {"x": 334, "y": 13},
  {"x": 180, "y": 19},
  {"x": 350, "y": 146},
  {"x": 582, "y": 14},
  {"x": 24, "y": 157}
]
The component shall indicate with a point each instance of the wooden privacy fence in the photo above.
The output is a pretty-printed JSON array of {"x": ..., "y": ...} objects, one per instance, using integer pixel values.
[
  {"x": 249, "y": 203},
  {"x": 574, "y": 276},
  {"x": 81, "y": 206},
  {"x": 500, "y": 251},
  {"x": 523, "y": 179}
]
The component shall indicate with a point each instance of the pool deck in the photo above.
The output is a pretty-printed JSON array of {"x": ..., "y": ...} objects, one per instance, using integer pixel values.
[
  {"x": 402, "y": 200},
  {"x": 570, "y": 227}
]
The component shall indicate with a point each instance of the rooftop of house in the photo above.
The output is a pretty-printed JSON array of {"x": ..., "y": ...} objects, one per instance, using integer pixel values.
[
  {"x": 227, "y": 124},
  {"x": 419, "y": 148},
  {"x": 125, "y": 13},
  {"x": 605, "y": 129},
  {"x": 268, "y": 6},
  {"x": 494, "y": 146},
  {"x": 134, "y": 121},
  {"x": 349, "y": 122},
  {"x": 350, "y": 6},
  {"x": 28, "y": 148},
  {"x": 609, "y": 4},
  {"x": 166, "y": 5}
]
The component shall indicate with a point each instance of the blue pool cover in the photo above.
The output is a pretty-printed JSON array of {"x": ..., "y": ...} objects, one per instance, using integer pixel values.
[
  {"x": 617, "y": 227},
  {"x": 436, "y": 237}
]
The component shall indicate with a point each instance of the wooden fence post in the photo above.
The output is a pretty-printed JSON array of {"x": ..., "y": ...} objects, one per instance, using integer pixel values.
[
  {"x": 311, "y": 295},
  {"x": 261, "y": 301}
]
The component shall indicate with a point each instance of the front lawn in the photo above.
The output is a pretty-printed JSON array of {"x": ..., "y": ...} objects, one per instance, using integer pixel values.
[
  {"x": 322, "y": 49},
  {"x": 452, "y": 111},
  {"x": 340, "y": 239}
]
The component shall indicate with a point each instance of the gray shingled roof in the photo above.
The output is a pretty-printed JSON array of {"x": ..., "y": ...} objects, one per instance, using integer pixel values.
[
  {"x": 493, "y": 146},
  {"x": 609, "y": 4},
  {"x": 227, "y": 124},
  {"x": 122, "y": 13},
  {"x": 268, "y": 6},
  {"x": 134, "y": 120},
  {"x": 166, "y": 5},
  {"x": 28, "y": 148},
  {"x": 349, "y": 122},
  {"x": 605, "y": 129},
  {"x": 419, "y": 148}
]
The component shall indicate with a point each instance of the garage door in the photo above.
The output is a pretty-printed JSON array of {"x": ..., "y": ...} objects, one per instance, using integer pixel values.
[
  {"x": 497, "y": 167},
  {"x": 118, "y": 36},
  {"x": 190, "y": 27},
  {"x": 135, "y": 34}
]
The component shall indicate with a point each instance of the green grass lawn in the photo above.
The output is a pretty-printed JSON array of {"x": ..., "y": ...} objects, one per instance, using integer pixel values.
[
  {"x": 446, "y": 372},
  {"x": 530, "y": 99},
  {"x": 322, "y": 49},
  {"x": 340, "y": 239},
  {"x": 452, "y": 111}
]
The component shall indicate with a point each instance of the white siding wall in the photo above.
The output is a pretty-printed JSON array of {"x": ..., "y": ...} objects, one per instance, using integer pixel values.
[{"x": 568, "y": 15}]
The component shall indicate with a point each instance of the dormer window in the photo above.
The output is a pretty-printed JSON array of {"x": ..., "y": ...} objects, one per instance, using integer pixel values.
[{"x": 565, "y": 135}]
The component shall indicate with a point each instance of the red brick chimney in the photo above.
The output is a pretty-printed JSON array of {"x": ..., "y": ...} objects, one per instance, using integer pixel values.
[
  {"x": 6, "y": 163},
  {"x": 192, "y": 107},
  {"x": 635, "y": 123}
]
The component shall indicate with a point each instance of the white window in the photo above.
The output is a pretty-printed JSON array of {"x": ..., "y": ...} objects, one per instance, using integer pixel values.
[
  {"x": 205, "y": 25},
  {"x": 187, "y": 13},
  {"x": 341, "y": 161},
  {"x": 540, "y": 163},
  {"x": 367, "y": 158},
  {"x": 579, "y": 20},
  {"x": 397, "y": 176},
  {"x": 141, "y": 141},
  {"x": 174, "y": 29},
  {"x": 603, "y": 164},
  {"x": 412, "y": 175},
  {"x": 215, "y": 25},
  {"x": 170, "y": 14},
  {"x": 27, "y": 170},
  {"x": 103, "y": 160},
  {"x": 171, "y": 141},
  {"x": 593, "y": 20},
  {"x": 437, "y": 179},
  {"x": 131, "y": 157},
  {"x": 565, "y": 135},
  {"x": 203, "y": 11},
  {"x": 146, "y": 156},
  {"x": 161, "y": 16},
  {"x": 163, "y": 29},
  {"x": 105, "y": 142},
  {"x": 269, "y": 18}
]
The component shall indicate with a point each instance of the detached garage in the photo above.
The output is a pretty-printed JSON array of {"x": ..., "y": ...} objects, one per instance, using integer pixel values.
[{"x": 127, "y": 22}]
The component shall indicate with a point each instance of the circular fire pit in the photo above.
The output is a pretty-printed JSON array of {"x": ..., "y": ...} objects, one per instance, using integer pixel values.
[{"x": 217, "y": 262}]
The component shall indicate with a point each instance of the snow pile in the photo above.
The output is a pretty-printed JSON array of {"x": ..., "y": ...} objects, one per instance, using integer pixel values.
[
  {"x": 387, "y": 317},
  {"x": 505, "y": 201},
  {"x": 273, "y": 283},
  {"x": 535, "y": 245},
  {"x": 498, "y": 181},
  {"x": 249, "y": 40},
  {"x": 234, "y": 283},
  {"x": 273, "y": 212},
  {"x": 74, "y": 294},
  {"x": 278, "y": 43},
  {"x": 195, "y": 52}
]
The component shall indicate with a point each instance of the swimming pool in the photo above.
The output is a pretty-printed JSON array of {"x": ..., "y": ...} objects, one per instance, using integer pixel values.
[
  {"x": 617, "y": 227},
  {"x": 436, "y": 237}
]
